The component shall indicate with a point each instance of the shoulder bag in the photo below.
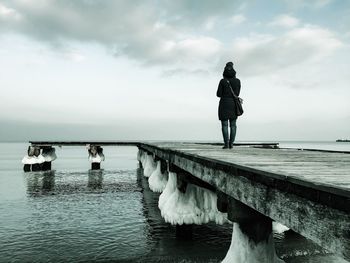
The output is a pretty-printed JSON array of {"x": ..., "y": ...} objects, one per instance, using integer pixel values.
[{"x": 238, "y": 101}]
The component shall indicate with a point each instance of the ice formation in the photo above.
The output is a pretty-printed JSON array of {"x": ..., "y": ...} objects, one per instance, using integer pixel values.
[
  {"x": 242, "y": 250},
  {"x": 279, "y": 228},
  {"x": 149, "y": 165},
  {"x": 33, "y": 159},
  {"x": 95, "y": 153},
  {"x": 139, "y": 155},
  {"x": 157, "y": 181},
  {"x": 195, "y": 206},
  {"x": 49, "y": 155},
  {"x": 98, "y": 158}
]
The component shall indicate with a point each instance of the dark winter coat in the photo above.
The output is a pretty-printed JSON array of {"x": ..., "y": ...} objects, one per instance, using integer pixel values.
[{"x": 227, "y": 103}]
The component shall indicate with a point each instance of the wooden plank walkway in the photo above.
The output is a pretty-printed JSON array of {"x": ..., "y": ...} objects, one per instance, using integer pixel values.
[
  {"x": 308, "y": 191},
  {"x": 320, "y": 170},
  {"x": 317, "y": 169}
]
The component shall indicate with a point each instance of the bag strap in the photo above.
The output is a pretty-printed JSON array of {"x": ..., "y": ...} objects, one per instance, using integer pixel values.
[{"x": 233, "y": 94}]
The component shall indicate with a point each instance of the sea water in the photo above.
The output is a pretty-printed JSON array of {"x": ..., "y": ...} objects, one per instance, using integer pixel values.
[{"x": 73, "y": 214}]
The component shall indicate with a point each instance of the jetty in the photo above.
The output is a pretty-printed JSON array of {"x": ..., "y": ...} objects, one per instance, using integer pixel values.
[{"x": 308, "y": 191}]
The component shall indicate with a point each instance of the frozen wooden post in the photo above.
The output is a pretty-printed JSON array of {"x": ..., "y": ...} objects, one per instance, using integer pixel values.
[
  {"x": 36, "y": 166},
  {"x": 255, "y": 225},
  {"x": 163, "y": 166},
  {"x": 222, "y": 202},
  {"x": 184, "y": 231},
  {"x": 96, "y": 156},
  {"x": 33, "y": 160},
  {"x": 181, "y": 184},
  {"x": 49, "y": 154},
  {"x": 252, "y": 238},
  {"x": 30, "y": 153}
]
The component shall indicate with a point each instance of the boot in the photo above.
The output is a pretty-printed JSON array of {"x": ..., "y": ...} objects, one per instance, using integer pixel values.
[{"x": 226, "y": 146}]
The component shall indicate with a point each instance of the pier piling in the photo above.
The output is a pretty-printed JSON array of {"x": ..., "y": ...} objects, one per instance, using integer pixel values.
[
  {"x": 253, "y": 224},
  {"x": 33, "y": 160},
  {"x": 96, "y": 156},
  {"x": 307, "y": 191}
]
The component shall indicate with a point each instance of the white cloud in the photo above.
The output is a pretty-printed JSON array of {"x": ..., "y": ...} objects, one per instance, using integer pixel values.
[
  {"x": 144, "y": 33},
  {"x": 268, "y": 53},
  {"x": 201, "y": 48},
  {"x": 347, "y": 35},
  {"x": 74, "y": 56},
  {"x": 285, "y": 21},
  {"x": 238, "y": 19},
  {"x": 176, "y": 35},
  {"x": 295, "y": 4},
  {"x": 7, "y": 13},
  {"x": 210, "y": 23}
]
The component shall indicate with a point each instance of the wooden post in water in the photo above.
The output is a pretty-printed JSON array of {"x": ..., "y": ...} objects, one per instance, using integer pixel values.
[
  {"x": 32, "y": 161},
  {"x": 96, "y": 156},
  {"x": 222, "y": 202},
  {"x": 253, "y": 224},
  {"x": 163, "y": 166},
  {"x": 181, "y": 184},
  {"x": 36, "y": 166},
  {"x": 254, "y": 230},
  {"x": 49, "y": 154},
  {"x": 183, "y": 231}
]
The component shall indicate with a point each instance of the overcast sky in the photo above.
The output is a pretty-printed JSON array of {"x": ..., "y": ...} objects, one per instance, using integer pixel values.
[{"x": 90, "y": 69}]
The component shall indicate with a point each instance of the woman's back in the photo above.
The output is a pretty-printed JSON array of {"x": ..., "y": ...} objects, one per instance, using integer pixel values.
[{"x": 224, "y": 88}]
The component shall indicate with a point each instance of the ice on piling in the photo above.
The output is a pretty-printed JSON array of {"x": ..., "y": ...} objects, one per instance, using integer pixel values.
[
  {"x": 142, "y": 157},
  {"x": 97, "y": 158},
  {"x": 33, "y": 156},
  {"x": 244, "y": 250},
  {"x": 139, "y": 155},
  {"x": 170, "y": 187},
  {"x": 149, "y": 166},
  {"x": 49, "y": 155},
  {"x": 195, "y": 206},
  {"x": 279, "y": 228},
  {"x": 157, "y": 181},
  {"x": 33, "y": 159},
  {"x": 95, "y": 153}
]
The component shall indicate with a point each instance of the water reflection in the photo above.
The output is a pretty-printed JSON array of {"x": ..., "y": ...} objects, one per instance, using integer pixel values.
[
  {"x": 52, "y": 183},
  {"x": 95, "y": 179},
  {"x": 40, "y": 183},
  {"x": 209, "y": 244},
  {"x": 150, "y": 209}
]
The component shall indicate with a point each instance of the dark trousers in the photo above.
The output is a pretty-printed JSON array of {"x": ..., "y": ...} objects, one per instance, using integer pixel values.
[{"x": 229, "y": 139}]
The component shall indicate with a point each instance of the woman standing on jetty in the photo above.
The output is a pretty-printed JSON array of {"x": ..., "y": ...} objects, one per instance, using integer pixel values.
[{"x": 227, "y": 112}]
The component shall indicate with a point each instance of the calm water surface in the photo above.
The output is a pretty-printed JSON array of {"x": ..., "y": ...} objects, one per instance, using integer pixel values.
[{"x": 72, "y": 214}]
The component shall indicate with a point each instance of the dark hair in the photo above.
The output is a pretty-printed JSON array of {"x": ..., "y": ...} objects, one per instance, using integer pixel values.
[
  {"x": 229, "y": 72},
  {"x": 229, "y": 64}
]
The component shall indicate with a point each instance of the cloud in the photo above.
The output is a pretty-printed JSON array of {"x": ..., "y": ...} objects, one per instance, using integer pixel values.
[
  {"x": 149, "y": 34},
  {"x": 285, "y": 21},
  {"x": 238, "y": 19},
  {"x": 8, "y": 14},
  {"x": 180, "y": 71},
  {"x": 297, "y": 4},
  {"x": 259, "y": 54},
  {"x": 74, "y": 56},
  {"x": 176, "y": 35}
]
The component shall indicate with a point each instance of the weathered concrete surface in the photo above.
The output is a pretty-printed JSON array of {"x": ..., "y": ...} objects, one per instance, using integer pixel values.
[{"x": 308, "y": 192}]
